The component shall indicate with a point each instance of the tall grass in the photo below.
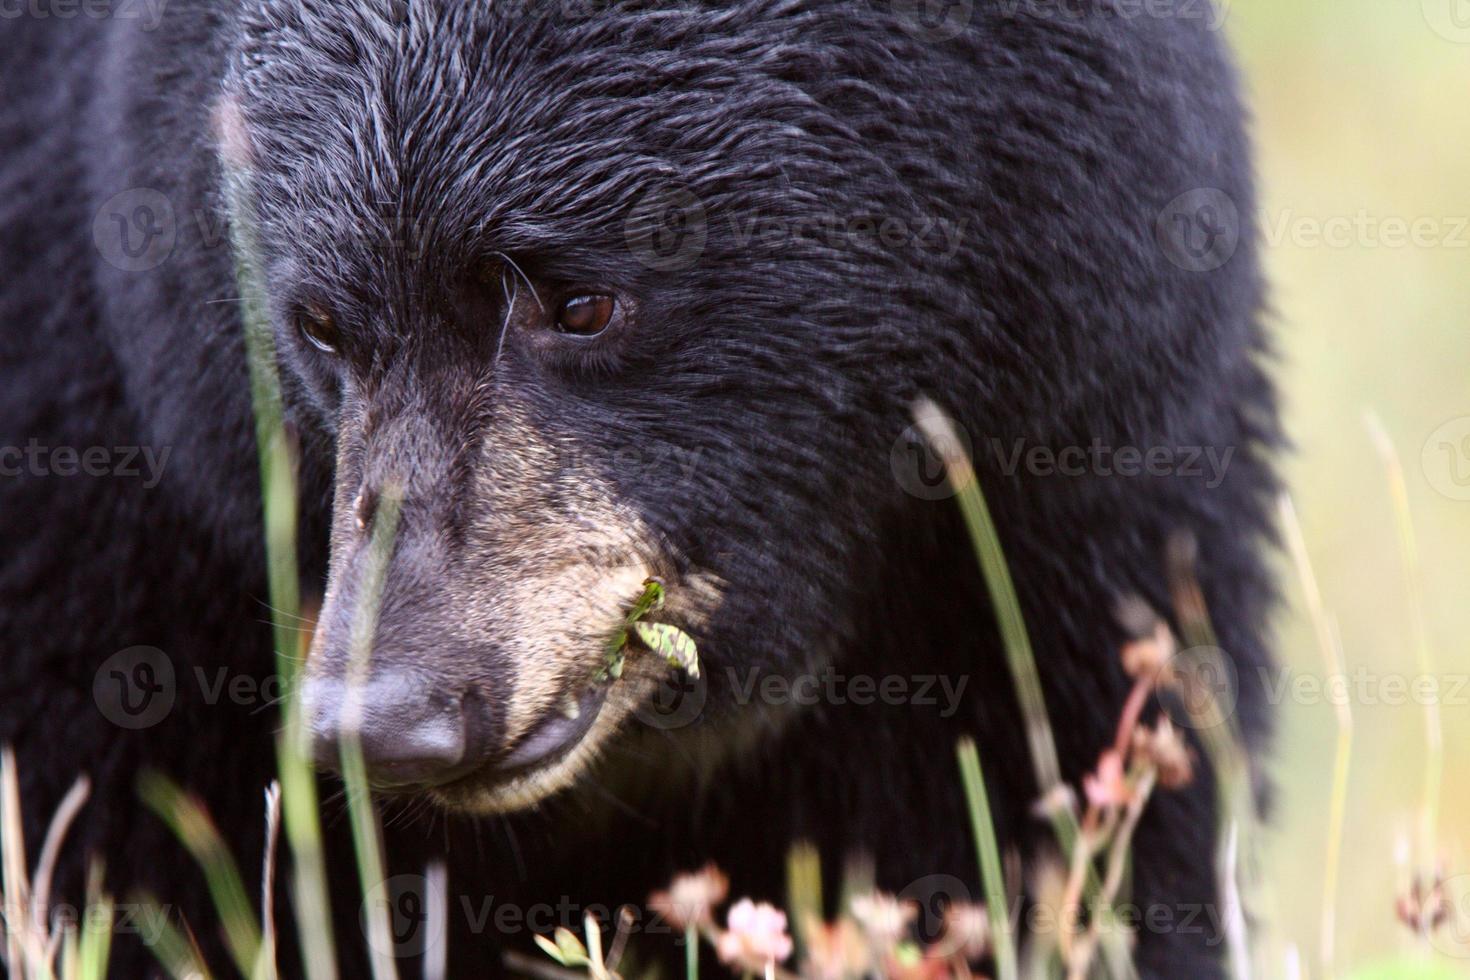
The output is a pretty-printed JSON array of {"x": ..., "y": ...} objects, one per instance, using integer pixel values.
[
  {"x": 991, "y": 873},
  {"x": 1334, "y": 662},
  {"x": 299, "y": 804}
]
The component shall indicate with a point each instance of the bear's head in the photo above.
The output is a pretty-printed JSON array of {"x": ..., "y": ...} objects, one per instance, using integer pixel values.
[{"x": 586, "y": 299}]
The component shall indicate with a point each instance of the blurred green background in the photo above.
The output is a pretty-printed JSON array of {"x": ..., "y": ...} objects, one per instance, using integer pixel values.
[{"x": 1363, "y": 129}]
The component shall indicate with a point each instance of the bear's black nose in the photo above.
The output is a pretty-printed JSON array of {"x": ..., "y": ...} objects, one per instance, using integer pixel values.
[{"x": 413, "y": 733}]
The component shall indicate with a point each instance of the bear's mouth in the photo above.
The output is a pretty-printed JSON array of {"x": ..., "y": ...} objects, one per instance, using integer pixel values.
[
  {"x": 545, "y": 760},
  {"x": 556, "y": 734}
]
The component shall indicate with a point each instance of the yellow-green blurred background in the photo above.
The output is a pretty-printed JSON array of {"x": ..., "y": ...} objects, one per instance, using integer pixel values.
[{"x": 1363, "y": 125}]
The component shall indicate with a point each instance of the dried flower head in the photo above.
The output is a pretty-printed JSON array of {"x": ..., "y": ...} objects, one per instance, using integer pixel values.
[
  {"x": 1060, "y": 799},
  {"x": 967, "y": 930},
  {"x": 1151, "y": 657},
  {"x": 884, "y": 918},
  {"x": 1424, "y": 908},
  {"x": 755, "y": 936},
  {"x": 691, "y": 898},
  {"x": 1165, "y": 749}
]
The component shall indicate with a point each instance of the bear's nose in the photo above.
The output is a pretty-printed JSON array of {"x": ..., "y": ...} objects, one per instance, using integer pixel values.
[{"x": 413, "y": 734}]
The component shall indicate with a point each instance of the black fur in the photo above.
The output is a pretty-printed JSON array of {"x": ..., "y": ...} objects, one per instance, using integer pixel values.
[{"x": 402, "y": 149}]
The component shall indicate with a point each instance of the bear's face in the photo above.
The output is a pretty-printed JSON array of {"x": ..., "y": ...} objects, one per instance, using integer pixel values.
[{"x": 510, "y": 286}]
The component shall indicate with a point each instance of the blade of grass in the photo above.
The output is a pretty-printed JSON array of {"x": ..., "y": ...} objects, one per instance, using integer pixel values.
[
  {"x": 302, "y": 821},
  {"x": 278, "y": 489},
  {"x": 803, "y": 891},
  {"x": 1409, "y": 557},
  {"x": 366, "y": 836},
  {"x": 265, "y": 966},
  {"x": 173, "y": 949},
  {"x": 71, "y": 956},
  {"x": 61, "y": 821},
  {"x": 191, "y": 824},
  {"x": 1235, "y": 803},
  {"x": 96, "y": 941},
  {"x": 22, "y": 946},
  {"x": 436, "y": 921},
  {"x": 938, "y": 430},
  {"x": 1330, "y": 646},
  {"x": 991, "y": 873}
]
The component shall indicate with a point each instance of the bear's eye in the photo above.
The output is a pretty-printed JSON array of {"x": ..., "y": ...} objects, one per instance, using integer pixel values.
[
  {"x": 587, "y": 315},
  {"x": 318, "y": 327}
]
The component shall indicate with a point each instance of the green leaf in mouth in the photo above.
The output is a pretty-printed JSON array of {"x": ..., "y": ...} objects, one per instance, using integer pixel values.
[{"x": 669, "y": 642}]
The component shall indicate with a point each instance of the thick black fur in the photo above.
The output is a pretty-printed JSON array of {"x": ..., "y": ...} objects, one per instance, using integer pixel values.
[{"x": 401, "y": 148}]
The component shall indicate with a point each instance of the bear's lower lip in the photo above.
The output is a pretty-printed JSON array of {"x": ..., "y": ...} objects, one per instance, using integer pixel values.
[{"x": 554, "y": 735}]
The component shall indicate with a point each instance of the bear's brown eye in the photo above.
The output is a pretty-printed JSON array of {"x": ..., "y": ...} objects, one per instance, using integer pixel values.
[
  {"x": 586, "y": 316},
  {"x": 318, "y": 327}
]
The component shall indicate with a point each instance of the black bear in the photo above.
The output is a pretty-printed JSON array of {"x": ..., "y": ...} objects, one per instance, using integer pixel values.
[{"x": 602, "y": 291}]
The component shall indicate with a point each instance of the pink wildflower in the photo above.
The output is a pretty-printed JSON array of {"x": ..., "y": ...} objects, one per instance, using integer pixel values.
[
  {"x": 691, "y": 898},
  {"x": 1107, "y": 787},
  {"x": 755, "y": 936}
]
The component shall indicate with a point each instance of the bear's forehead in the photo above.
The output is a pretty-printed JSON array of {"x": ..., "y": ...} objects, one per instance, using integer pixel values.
[{"x": 514, "y": 121}]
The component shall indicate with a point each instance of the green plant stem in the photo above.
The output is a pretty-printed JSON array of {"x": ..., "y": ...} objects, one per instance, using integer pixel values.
[
  {"x": 278, "y": 492},
  {"x": 1334, "y": 661},
  {"x": 991, "y": 872},
  {"x": 1409, "y": 557},
  {"x": 191, "y": 824},
  {"x": 940, "y": 433},
  {"x": 366, "y": 837}
]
